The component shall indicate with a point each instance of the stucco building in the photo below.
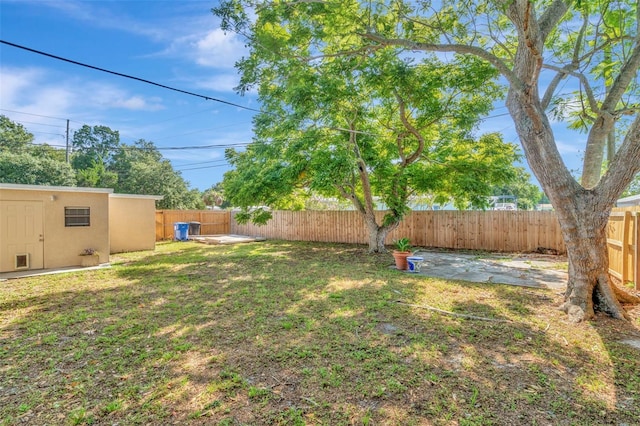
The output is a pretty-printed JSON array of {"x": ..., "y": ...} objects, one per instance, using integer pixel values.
[{"x": 44, "y": 227}]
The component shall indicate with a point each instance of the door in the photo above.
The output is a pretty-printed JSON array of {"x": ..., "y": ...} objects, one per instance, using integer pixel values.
[{"x": 21, "y": 235}]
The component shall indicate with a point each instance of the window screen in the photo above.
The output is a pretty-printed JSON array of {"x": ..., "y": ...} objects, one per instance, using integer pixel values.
[{"x": 77, "y": 216}]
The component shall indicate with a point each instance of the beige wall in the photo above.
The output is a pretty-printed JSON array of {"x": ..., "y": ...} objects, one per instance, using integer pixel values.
[
  {"x": 62, "y": 245},
  {"x": 132, "y": 223}
]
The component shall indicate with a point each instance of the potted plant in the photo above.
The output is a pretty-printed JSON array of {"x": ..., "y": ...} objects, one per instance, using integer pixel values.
[
  {"x": 401, "y": 252},
  {"x": 89, "y": 257}
]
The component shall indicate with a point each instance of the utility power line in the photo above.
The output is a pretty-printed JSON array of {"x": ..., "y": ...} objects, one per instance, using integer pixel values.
[
  {"x": 142, "y": 80},
  {"x": 203, "y": 167},
  {"x": 35, "y": 115}
]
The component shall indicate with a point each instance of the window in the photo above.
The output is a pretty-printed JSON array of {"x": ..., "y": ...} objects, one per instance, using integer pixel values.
[{"x": 77, "y": 216}]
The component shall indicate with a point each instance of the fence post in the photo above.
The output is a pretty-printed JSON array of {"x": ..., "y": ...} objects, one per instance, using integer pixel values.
[
  {"x": 625, "y": 246},
  {"x": 164, "y": 225},
  {"x": 636, "y": 250}
]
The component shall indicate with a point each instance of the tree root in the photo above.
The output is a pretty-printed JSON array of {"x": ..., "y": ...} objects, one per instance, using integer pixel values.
[
  {"x": 623, "y": 296},
  {"x": 453, "y": 314}
]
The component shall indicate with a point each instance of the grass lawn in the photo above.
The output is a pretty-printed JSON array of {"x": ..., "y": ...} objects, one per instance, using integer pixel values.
[{"x": 300, "y": 333}]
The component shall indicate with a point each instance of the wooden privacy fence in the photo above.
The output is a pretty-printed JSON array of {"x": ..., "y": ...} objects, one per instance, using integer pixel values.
[
  {"x": 623, "y": 241},
  {"x": 211, "y": 221},
  {"x": 506, "y": 231}
]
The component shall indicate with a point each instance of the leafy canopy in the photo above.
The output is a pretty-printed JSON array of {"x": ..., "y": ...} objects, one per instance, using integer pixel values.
[{"x": 343, "y": 120}]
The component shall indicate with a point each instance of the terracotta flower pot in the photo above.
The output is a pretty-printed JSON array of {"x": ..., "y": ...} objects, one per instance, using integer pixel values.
[
  {"x": 401, "y": 259},
  {"x": 90, "y": 260}
]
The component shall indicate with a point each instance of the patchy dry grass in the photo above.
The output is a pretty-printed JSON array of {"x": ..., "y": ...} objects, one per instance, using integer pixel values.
[{"x": 294, "y": 333}]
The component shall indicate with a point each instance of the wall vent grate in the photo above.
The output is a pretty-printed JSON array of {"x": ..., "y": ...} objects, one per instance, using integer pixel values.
[{"x": 22, "y": 261}]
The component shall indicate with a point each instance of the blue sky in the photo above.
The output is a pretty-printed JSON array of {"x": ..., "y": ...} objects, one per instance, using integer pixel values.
[{"x": 174, "y": 43}]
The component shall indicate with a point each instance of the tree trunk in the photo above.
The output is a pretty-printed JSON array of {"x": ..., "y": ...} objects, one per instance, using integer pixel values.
[
  {"x": 583, "y": 213},
  {"x": 589, "y": 288},
  {"x": 377, "y": 234}
]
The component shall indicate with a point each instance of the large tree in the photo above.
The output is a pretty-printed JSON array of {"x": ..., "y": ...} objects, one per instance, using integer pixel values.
[
  {"x": 22, "y": 161},
  {"x": 542, "y": 49},
  {"x": 526, "y": 194},
  {"x": 93, "y": 149},
  {"x": 13, "y": 136},
  {"x": 359, "y": 126},
  {"x": 27, "y": 169},
  {"x": 141, "y": 169}
]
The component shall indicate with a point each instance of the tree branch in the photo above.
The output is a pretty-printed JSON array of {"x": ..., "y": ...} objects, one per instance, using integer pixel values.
[
  {"x": 551, "y": 16},
  {"x": 500, "y": 65},
  {"x": 625, "y": 165},
  {"x": 625, "y": 77},
  {"x": 362, "y": 170},
  {"x": 570, "y": 70},
  {"x": 546, "y": 99},
  {"x": 405, "y": 121}
]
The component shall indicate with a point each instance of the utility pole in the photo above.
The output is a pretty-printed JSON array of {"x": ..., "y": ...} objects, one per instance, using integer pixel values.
[{"x": 67, "y": 154}]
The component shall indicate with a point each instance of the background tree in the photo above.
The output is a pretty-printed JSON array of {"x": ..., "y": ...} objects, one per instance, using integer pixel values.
[
  {"x": 214, "y": 196},
  {"x": 358, "y": 126},
  {"x": 93, "y": 150},
  {"x": 141, "y": 169},
  {"x": 13, "y": 136},
  {"x": 527, "y": 194},
  {"x": 29, "y": 170},
  {"x": 22, "y": 161}
]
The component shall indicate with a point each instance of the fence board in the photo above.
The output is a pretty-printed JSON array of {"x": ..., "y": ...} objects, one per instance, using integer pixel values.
[
  {"x": 506, "y": 231},
  {"x": 212, "y": 222},
  {"x": 623, "y": 241},
  {"x": 472, "y": 230}
]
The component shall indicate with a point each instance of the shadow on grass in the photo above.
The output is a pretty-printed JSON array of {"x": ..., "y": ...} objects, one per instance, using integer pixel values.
[{"x": 294, "y": 333}]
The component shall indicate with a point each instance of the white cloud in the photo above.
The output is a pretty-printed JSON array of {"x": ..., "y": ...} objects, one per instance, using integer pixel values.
[
  {"x": 25, "y": 89},
  {"x": 104, "y": 15},
  {"x": 569, "y": 147},
  {"x": 46, "y": 93},
  {"x": 211, "y": 49},
  {"x": 107, "y": 96},
  {"x": 220, "y": 82},
  {"x": 216, "y": 49}
]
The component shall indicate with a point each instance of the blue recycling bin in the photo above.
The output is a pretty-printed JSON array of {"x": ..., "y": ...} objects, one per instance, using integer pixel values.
[{"x": 181, "y": 231}]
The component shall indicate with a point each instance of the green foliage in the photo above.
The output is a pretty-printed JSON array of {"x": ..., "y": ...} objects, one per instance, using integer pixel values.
[
  {"x": 13, "y": 136},
  {"x": 141, "y": 169},
  {"x": 93, "y": 145},
  {"x": 528, "y": 194},
  {"x": 258, "y": 216},
  {"x": 344, "y": 120},
  {"x": 214, "y": 196},
  {"x": 30, "y": 170},
  {"x": 96, "y": 176},
  {"x": 403, "y": 244},
  {"x": 99, "y": 161}
]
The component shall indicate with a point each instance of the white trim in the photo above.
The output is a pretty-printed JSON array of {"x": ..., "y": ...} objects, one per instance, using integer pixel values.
[
  {"x": 634, "y": 200},
  {"x": 45, "y": 188},
  {"x": 147, "y": 197}
]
